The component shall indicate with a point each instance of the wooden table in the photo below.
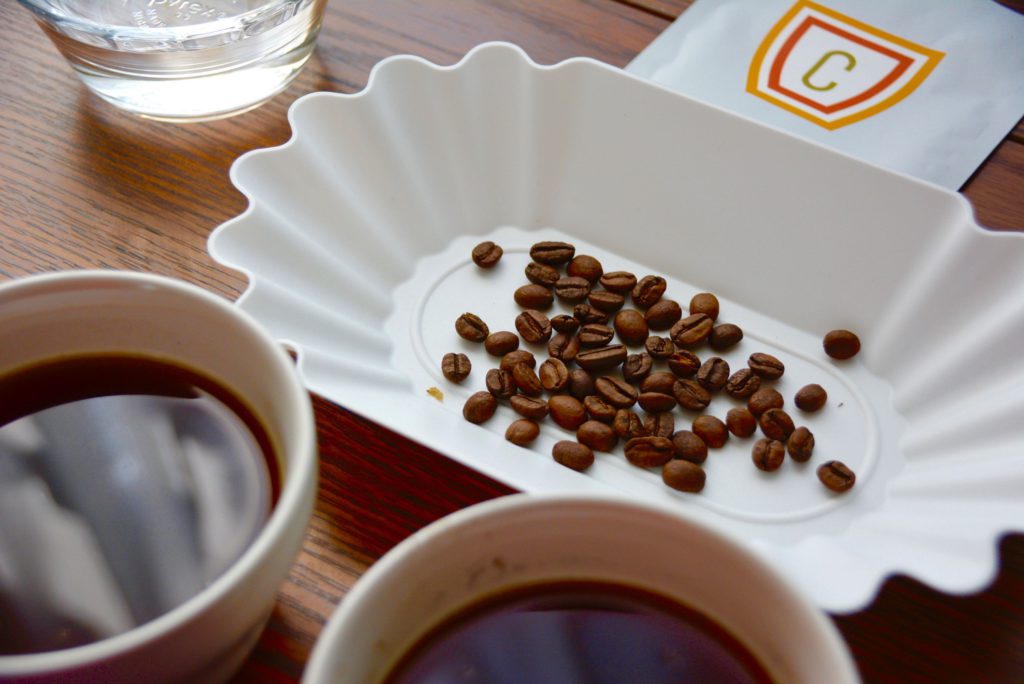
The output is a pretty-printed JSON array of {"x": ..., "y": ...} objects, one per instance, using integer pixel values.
[{"x": 83, "y": 185}]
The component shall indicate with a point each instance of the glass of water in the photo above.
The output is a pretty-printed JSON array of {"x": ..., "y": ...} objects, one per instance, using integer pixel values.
[{"x": 183, "y": 60}]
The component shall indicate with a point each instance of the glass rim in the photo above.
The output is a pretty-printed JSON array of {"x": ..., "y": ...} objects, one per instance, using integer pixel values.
[{"x": 45, "y": 10}]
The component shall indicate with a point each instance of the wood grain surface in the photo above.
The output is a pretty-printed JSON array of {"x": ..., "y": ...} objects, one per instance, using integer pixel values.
[{"x": 85, "y": 186}]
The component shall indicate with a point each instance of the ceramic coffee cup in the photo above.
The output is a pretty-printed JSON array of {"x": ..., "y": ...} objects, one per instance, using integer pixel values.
[
  {"x": 89, "y": 313},
  {"x": 523, "y": 540}
]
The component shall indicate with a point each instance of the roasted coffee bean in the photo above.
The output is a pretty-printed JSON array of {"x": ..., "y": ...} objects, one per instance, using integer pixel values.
[
  {"x": 509, "y": 361},
  {"x": 584, "y": 313},
  {"x": 533, "y": 326},
  {"x": 800, "y": 444},
  {"x": 628, "y": 425},
  {"x": 691, "y": 330},
  {"x": 500, "y": 383},
  {"x": 711, "y": 430},
  {"x": 841, "y": 344},
  {"x": 567, "y": 412},
  {"x": 595, "y": 335},
  {"x": 596, "y": 435},
  {"x": 810, "y": 398},
  {"x": 564, "y": 323},
  {"x": 487, "y": 254},
  {"x": 501, "y": 342},
  {"x": 631, "y": 326},
  {"x": 522, "y": 432},
  {"x": 479, "y": 407},
  {"x": 573, "y": 455},
  {"x": 533, "y": 296},
  {"x": 740, "y": 422},
  {"x": 713, "y": 374},
  {"x": 601, "y": 358},
  {"x": 564, "y": 347},
  {"x": 658, "y": 381},
  {"x": 768, "y": 454},
  {"x": 724, "y": 336},
  {"x": 683, "y": 476},
  {"x": 599, "y": 409},
  {"x": 691, "y": 395},
  {"x": 743, "y": 383},
  {"x": 649, "y": 452},
  {"x": 836, "y": 476},
  {"x": 542, "y": 274},
  {"x": 659, "y": 347},
  {"x": 534, "y": 408},
  {"x": 648, "y": 290},
  {"x": 705, "y": 303},
  {"x": 764, "y": 399},
  {"x": 689, "y": 447},
  {"x": 684, "y": 363},
  {"x": 663, "y": 314},
  {"x": 662, "y": 424},
  {"x": 526, "y": 380},
  {"x": 585, "y": 266},
  {"x": 471, "y": 327},
  {"x": 766, "y": 366},
  {"x": 615, "y": 391},
  {"x": 455, "y": 367},
  {"x": 637, "y": 366},
  {"x": 554, "y": 376},
  {"x": 619, "y": 282},
  {"x": 572, "y": 289},
  {"x": 656, "y": 402},
  {"x": 552, "y": 253},
  {"x": 581, "y": 383},
  {"x": 776, "y": 424},
  {"x": 606, "y": 301}
]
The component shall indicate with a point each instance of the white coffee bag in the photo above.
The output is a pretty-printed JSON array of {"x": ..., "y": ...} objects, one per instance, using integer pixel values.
[{"x": 925, "y": 87}]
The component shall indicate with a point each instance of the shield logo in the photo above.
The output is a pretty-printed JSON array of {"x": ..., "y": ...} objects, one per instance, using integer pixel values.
[{"x": 833, "y": 69}]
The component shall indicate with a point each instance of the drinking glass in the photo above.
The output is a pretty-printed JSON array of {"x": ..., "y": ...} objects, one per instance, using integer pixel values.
[{"x": 183, "y": 60}]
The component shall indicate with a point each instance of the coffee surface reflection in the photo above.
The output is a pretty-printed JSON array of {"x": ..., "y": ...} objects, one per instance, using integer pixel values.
[
  {"x": 127, "y": 485},
  {"x": 579, "y": 632}
]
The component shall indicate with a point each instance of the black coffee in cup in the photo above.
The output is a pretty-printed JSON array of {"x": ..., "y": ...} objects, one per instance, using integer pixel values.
[
  {"x": 579, "y": 632},
  {"x": 127, "y": 485}
]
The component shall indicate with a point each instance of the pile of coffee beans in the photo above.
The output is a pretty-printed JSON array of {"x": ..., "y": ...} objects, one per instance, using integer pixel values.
[{"x": 623, "y": 363}]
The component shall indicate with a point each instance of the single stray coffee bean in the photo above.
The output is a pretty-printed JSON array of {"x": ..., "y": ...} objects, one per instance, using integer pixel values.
[
  {"x": 455, "y": 367},
  {"x": 841, "y": 344},
  {"x": 810, "y": 398},
  {"x": 683, "y": 476},
  {"x": 501, "y": 343},
  {"x": 768, "y": 454},
  {"x": 689, "y": 446},
  {"x": 487, "y": 254},
  {"x": 800, "y": 444},
  {"x": 522, "y": 432},
  {"x": 573, "y": 455},
  {"x": 836, "y": 476},
  {"x": 597, "y": 435},
  {"x": 471, "y": 327},
  {"x": 552, "y": 253},
  {"x": 480, "y": 407},
  {"x": 741, "y": 422},
  {"x": 649, "y": 452}
]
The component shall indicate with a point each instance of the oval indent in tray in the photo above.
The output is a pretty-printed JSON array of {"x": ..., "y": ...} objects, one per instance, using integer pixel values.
[{"x": 777, "y": 504}]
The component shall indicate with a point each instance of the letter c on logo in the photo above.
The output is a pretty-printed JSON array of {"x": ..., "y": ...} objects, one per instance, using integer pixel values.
[{"x": 851, "y": 62}]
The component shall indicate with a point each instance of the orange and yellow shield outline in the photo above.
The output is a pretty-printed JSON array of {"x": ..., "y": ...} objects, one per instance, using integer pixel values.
[{"x": 820, "y": 113}]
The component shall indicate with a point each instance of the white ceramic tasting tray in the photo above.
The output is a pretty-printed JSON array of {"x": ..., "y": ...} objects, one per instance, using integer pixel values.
[{"x": 357, "y": 238}]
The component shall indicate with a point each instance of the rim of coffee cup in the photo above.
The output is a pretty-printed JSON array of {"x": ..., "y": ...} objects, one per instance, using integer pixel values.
[
  {"x": 329, "y": 651},
  {"x": 299, "y": 474}
]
